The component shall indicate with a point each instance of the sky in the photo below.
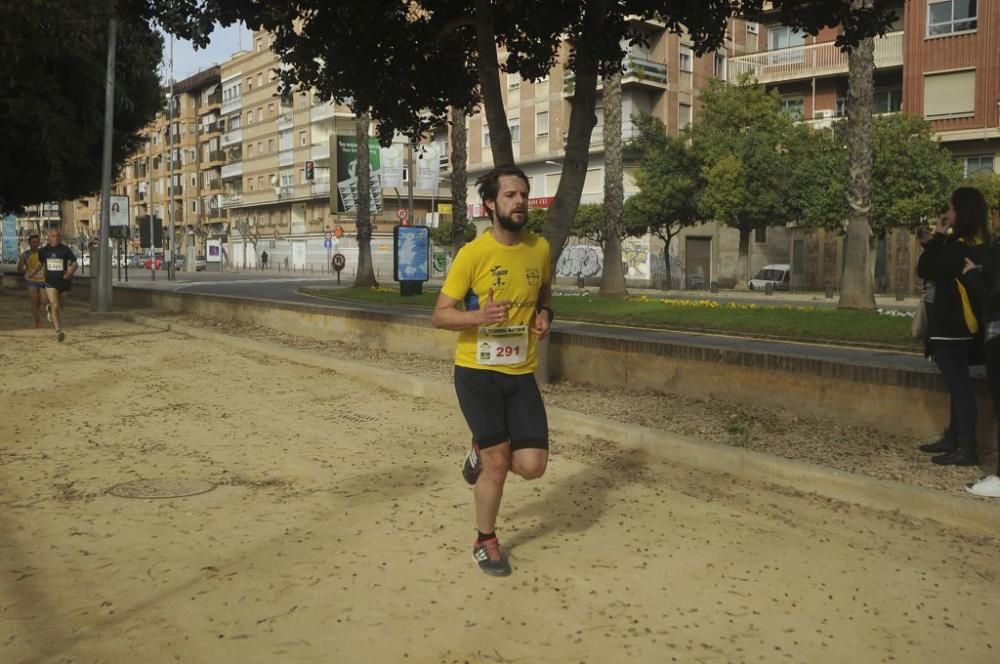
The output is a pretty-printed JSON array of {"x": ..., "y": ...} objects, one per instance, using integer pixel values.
[{"x": 188, "y": 61}]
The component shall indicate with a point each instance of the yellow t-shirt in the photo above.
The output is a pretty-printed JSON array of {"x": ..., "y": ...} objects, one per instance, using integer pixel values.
[
  {"x": 516, "y": 273},
  {"x": 33, "y": 269}
]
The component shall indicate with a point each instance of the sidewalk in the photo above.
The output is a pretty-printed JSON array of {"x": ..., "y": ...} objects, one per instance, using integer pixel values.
[{"x": 338, "y": 514}]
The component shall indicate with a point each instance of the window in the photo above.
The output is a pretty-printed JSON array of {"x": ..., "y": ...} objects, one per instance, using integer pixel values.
[
  {"x": 194, "y": 180},
  {"x": 270, "y": 109},
  {"x": 250, "y": 184},
  {"x": 260, "y": 114},
  {"x": 234, "y": 122},
  {"x": 780, "y": 36},
  {"x": 303, "y": 140},
  {"x": 486, "y": 135},
  {"x": 944, "y": 18},
  {"x": 686, "y": 62},
  {"x": 950, "y": 94},
  {"x": 760, "y": 235},
  {"x": 979, "y": 164},
  {"x": 260, "y": 44},
  {"x": 260, "y": 79},
  {"x": 542, "y": 123},
  {"x": 303, "y": 100},
  {"x": 793, "y": 106},
  {"x": 249, "y": 83},
  {"x": 260, "y": 182},
  {"x": 515, "y": 130},
  {"x": 194, "y": 206},
  {"x": 271, "y": 74},
  {"x": 841, "y": 111},
  {"x": 719, "y": 66},
  {"x": 270, "y": 145},
  {"x": 287, "y": 178},
  {"x": 683, "y": 116},
  {"x": 249, "y": 118},
  {"x": 887, "y": 100},
  {"x": 260, "y": 147},
  {"x": 513, "y": 81},
  {"x": 249, "y": 150}
]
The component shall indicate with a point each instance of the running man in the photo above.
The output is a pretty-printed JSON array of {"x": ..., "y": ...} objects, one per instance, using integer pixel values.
[
  {"x": 60, "y": 265},
  {"x": 34, "y": 277},
  {"x": 502, "y": 279}
]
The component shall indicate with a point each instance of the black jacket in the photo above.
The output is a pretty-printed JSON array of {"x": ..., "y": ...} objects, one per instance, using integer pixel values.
[
  {"x": 987, "y": 281},
  {"x": 941, "y": 264}
]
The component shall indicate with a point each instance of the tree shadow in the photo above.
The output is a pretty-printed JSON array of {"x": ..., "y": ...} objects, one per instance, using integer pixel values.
[{"x": 575, "y": 503}]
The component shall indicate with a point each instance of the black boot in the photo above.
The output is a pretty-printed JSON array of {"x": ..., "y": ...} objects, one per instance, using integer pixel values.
[
  {"x": 964, "y": 454},
  {"x": 944, "y": 445}
]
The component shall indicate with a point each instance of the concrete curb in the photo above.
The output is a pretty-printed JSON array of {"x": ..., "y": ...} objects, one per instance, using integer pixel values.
[{"x": 885, "y": 495}]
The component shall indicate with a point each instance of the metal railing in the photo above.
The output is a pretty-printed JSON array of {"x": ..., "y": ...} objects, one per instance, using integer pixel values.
[
  {"x": 644, "y": 69},
  {"x": 824, "y": 59}
]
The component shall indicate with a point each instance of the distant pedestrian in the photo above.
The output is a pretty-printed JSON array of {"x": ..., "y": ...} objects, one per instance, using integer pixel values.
[
  {"x": 263, "y": 259},
  {"x": 954, "y": 334},
  {"x": 60, "y": 265},
  {"x": 34, "y": 277},
  {"x": 990, "y": 274}
]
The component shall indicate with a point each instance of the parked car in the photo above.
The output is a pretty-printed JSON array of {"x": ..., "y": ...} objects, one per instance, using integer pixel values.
[
  {"x": 778, "y": 276},
  {"x": 180, "y": 263}
]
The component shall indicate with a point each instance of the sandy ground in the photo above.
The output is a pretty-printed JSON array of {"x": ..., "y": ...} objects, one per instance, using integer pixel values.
[{"x": 340, "y": 531}]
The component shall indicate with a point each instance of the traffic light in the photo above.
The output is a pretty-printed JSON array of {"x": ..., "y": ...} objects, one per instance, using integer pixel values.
[{"x": 310, "y": 170}]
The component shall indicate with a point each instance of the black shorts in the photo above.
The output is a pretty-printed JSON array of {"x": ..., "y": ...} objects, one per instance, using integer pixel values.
[
  {"x": 62, "y": 286},
  {"x": 500, "y": 407}
]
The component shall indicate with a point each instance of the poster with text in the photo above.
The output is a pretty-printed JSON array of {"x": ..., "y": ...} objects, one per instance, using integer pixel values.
[
  {"x": 347, "y": 179},
  {"x": 9, "y": 248}
]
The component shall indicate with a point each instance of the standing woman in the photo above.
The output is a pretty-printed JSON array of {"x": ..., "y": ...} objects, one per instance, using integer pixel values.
[
  {"x": 990, "y": 485},
  {"x": 953, "y": 331}
]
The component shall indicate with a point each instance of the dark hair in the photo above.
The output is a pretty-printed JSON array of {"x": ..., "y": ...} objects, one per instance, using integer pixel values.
[
  {"x": 33, "y": 236},
  {"x": 489, "y": 183},
  {"x": 971, "y": 214}
]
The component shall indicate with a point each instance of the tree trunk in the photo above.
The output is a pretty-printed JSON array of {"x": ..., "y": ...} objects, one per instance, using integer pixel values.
[
  {"x": 857, "y": 285},
  {"x": 668, "y": 277},
  {"x": 459, "y": 177},
  {"x": 576, "y": 156},
  {"x": 613, "y": 275},
  {"x": 743, "y": 278},
  {"x": 489, "y": 82},
  {"x": 365, "y": 276}
]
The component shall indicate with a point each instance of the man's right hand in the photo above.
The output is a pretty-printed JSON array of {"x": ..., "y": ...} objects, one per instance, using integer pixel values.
[{"x": 494, "y": 311}]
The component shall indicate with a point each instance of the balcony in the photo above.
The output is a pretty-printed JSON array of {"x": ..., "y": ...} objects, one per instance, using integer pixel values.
[
  {"x": 286, "y": 191},
  {"x": 228, "y": 200},
  {"x": 231, "y": 137},
  {"x": 644, "y": 72},
  {"x": 286, "y": 158},
  {"x": 319, "y": 151},
  {"x": 285, "y": 121},
  {"x": 213, "y": 213},
  {"x": 815, "y": 60},
  {"x": 320, "y": 188},
  {"x": 211, "y": 128},
  {"x": 231, "y": 105},
  {"x": 321, "y": 112},
  {"x": 215, "y": 156},
  {"x": 232, "y": 170},
  {"x": 214, "y": 99}
]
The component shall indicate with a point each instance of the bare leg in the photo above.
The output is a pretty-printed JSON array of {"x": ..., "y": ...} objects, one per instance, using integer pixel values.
[
  {"x": 529, "y": 462},
  {"x": 54, "y": 303},
  {"x": 35, "y": 295},
  {"x": 488, "y": 491}
]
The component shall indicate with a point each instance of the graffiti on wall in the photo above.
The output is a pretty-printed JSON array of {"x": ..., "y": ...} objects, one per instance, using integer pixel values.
[
  {"x": 635, "y": 255},
  {"x": 580, "y": 260}
]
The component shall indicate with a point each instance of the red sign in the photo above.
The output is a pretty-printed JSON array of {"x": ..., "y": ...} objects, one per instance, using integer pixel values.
[
  {"x": 541, "y": 202},
  {"x": 401, "y": 215}
]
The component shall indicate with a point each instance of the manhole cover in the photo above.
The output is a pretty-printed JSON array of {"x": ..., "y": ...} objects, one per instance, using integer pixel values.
[
  {"x": 358, "y": 417},
  {"x": 163, "y": 488}
]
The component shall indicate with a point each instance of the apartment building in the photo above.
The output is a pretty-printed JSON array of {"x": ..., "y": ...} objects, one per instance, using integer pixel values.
[
  {"x": 662, "y": 78},
  {"x": 938, "y": 61},
  {"x": 272, "y": 145}
]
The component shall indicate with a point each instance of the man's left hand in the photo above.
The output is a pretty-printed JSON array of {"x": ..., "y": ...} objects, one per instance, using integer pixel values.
[{"x": 542, "y": 324}]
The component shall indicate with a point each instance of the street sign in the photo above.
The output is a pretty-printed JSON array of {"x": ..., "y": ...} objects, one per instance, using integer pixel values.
[
  {"x": 401, "y": 215},
  {"x": 327, "y": 243},
  {"x": 339, "y": 261},
  {"x": 328, "y": 236},
  {"x": 444, "y": 208}
]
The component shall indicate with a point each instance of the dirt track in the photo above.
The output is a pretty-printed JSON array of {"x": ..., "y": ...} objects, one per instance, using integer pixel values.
[{"x": 340, "y": 532}]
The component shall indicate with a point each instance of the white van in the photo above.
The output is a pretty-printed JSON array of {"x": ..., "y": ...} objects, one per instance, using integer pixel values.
[{"x": 778, "y": 276}]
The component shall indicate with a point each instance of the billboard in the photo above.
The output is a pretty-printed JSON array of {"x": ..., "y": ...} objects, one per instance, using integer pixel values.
[
  {"x": 412, "y": 257},
  {"x": 213, "y": 250},
  {"x": 144, "y": 232},
  {"x": 9, "y": 249},
  {"x": 119, "y": 211},
  {"x": 347, "y": 179}
]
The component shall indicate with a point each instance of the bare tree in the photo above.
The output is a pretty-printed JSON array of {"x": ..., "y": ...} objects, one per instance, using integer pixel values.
[
  {"x": 857, "y": 285},
  {"x": 459, "y": 177},
  {"x": 365, "y": 275},
  {"x": 613, "y": 276},
  {"x": 248, "y": 233}
]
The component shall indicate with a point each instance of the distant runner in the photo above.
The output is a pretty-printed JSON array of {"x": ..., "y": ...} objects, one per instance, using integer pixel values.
[
  {"x": 60, "y": 265},
  {"x": 34, "y": 277},
  {"x": 502, "y": 280}
]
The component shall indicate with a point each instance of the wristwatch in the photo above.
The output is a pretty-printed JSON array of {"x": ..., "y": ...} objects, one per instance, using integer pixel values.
[{"x": 552, "y": 314}]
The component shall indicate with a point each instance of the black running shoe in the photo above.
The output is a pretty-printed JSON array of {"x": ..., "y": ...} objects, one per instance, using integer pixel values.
[
  {"x": 471, "y": 467},
  {"x": 60, "y": 335},
  {"x": 490, "y": 558}
]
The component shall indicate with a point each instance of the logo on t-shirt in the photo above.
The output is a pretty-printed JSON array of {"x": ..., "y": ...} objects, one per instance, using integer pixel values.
[
  {"x": 533, "y": 275},
  {"x": 497, "y": 273}
]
